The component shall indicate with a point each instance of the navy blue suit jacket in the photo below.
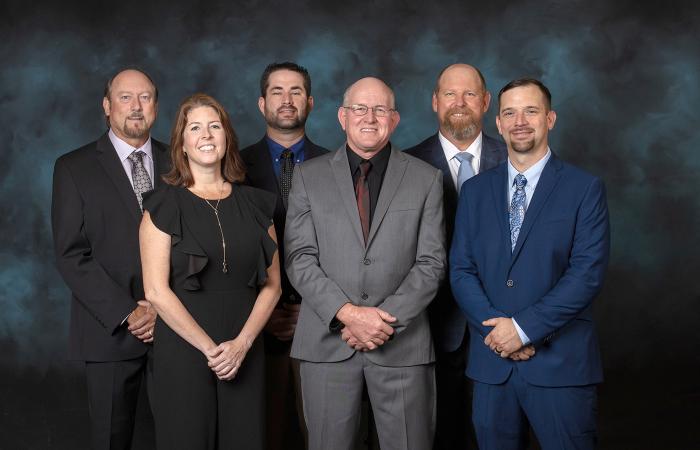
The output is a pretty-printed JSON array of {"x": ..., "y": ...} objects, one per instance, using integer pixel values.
[
  {"x": 547, "y": 283},
  {"x": 447, "y": 323}
]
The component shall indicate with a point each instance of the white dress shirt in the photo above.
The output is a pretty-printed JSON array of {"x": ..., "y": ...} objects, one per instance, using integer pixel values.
[{"x": 453, "y": 162}]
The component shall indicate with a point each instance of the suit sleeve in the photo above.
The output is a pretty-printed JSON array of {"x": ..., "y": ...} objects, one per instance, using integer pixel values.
[
  {"x": 583, "y": 278},
  {"x": 464, "y": 272},
  {"x": 91, "y": 285},
  {"x": 319, "y": 292},
  {"x": 420, "y": 285}
]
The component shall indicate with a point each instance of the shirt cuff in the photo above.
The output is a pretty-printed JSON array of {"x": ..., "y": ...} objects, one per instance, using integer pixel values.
[
  {"x": 127, "y": 318},
  {"x": 521, "y": 333}
]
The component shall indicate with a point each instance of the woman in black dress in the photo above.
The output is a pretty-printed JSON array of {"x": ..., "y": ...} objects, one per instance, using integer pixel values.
[{"x": 211, "y": 270}]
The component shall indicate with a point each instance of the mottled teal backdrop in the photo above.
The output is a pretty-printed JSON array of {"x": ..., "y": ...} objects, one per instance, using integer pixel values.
[{"x": 626, "y": 85}]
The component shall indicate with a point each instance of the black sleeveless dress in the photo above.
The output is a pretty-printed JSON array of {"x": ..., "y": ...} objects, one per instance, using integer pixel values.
[{"x": 191, "y": 407}]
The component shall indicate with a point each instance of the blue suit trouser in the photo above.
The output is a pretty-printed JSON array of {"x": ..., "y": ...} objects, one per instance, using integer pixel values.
[{"x": 561, "y": 417}]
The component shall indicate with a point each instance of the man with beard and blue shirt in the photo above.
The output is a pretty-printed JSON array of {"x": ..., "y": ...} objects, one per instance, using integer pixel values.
[{"x": 285, "y": 102}]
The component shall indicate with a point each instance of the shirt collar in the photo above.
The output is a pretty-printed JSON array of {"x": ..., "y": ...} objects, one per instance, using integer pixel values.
[
  {"x": 124, "y": 150},
  {"x": 451, "y": 150},
  {"x": 379, "y": 161},
  {"x": 532, "y": 174},
  {"x": 276, "y": 148}
]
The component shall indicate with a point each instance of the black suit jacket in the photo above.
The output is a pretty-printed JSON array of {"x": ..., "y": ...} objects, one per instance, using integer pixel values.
[
  {"x": 95, "y": 218},
  {"x": 448, "y": 323},
  {"x": 260, "y": 174}
]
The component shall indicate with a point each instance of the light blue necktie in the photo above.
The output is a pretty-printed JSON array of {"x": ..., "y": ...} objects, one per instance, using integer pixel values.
[
  {"x": 465, "y": 168},
  {"x": 517, "y": 209}
]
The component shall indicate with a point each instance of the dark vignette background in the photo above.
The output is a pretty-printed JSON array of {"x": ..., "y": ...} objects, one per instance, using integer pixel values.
[{"x": 625, "y": 80}]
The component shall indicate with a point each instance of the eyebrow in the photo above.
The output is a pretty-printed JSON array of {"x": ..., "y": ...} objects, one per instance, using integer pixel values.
[{"x": 272, "y": 88}]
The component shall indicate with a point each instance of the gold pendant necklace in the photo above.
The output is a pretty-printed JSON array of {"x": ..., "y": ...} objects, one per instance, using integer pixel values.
[{"x": 224, "y": 266}]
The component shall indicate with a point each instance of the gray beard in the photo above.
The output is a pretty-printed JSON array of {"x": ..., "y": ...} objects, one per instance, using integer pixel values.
[{"x": 461, "y": 133}]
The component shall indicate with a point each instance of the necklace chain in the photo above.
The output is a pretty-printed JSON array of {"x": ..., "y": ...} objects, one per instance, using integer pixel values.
[{"x": 224, "y": 266}]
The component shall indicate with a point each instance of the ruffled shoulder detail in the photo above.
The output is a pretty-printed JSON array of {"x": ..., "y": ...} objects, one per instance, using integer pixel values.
[
  {"x": 262, "y": 206},
  {"x": 164, "y": 205}
]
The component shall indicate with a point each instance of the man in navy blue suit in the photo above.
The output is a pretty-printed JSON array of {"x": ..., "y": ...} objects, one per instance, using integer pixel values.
[
  {"x": 529, "y": 254},
  {"x": 460, "y": 150}
]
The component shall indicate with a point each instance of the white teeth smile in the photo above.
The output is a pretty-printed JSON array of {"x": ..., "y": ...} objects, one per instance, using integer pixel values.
[
  {"x": 206, "y": 148},
  {"x": 368, "y": 129}
]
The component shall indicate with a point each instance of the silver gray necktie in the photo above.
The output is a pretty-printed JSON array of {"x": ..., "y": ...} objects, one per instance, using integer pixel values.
[{"x": 139, "y": 176}]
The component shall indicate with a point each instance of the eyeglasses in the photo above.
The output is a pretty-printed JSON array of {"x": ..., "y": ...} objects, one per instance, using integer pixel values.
[{"x": 361, "y": 110}]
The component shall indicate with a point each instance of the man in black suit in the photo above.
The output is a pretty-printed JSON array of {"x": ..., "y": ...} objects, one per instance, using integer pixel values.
[
  {"x": 461, "y": 150},
  {"x": 96, "y": 211},
  {"x": 285, "y": 102}
]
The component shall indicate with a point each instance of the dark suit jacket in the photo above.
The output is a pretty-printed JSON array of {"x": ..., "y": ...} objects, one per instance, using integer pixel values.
[
  {"x": 547, "y": 283},
  {"x": 447, "y": 321},
  {"x": 260, "y": 174},
  {"x": 95, "y": 218}
]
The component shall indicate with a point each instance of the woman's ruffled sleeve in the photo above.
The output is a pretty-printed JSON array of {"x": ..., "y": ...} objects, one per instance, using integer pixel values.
[
  {"x": 163, "y": 206},
  {"x": 263, "y": 207}
]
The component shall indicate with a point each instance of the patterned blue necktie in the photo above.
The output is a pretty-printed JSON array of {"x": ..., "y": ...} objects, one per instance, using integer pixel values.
[
  {"x": 465, "y": 168},
  {"x": 139, "y": 176},
  {"x": 517, "y": 209}
]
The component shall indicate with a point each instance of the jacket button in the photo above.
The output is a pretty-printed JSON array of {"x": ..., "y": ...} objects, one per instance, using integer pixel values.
[
  {"x": 366, "y": 262},
  {"x": 509, "y": 283},
  {"x": 364, "y": 296}
]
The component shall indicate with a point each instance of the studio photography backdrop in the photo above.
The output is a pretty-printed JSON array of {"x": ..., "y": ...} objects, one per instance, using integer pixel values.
[{"x": 625, "y": 80}]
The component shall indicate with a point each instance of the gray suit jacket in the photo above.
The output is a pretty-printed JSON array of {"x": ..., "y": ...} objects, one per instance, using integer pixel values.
[{"x": 399, "y": 270}]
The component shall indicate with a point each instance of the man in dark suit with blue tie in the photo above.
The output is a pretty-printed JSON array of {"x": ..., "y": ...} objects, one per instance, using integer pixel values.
[
  {"x": 460, "y": 150},
  {"x": 529, "y": 254},
  {"x": 285, "y": 102}
]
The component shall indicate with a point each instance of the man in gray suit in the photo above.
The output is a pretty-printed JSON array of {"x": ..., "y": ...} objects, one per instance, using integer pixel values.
[{"x": 365, "y": 248}]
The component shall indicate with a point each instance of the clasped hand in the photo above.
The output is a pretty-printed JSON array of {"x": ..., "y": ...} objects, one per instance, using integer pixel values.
[
  {"x": 226, "y": 358},
  {"x": 142, "y": 320},
  {"x": 283, "y": 321},
  {"x": 366, "y": 327},
  {"x": 505, "y": 341}
]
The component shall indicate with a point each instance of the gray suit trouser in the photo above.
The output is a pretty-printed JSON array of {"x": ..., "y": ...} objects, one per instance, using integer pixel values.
[{"x": 402, "y": 399}]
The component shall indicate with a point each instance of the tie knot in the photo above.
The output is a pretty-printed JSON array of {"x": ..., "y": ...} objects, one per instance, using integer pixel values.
[
  {"x": 464, "y": 157},
  {"x": 136, "y": 156},
  {"x": 365, "y": 166},
  {"x": 287, "y": 154},
  {"x": 520, "y": 181}
]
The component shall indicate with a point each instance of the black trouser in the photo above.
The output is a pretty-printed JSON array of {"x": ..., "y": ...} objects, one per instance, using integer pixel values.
[{"x": 113, "y": 393}]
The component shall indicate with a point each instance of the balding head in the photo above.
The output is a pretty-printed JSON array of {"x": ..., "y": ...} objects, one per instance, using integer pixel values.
[
  {"x": 460, "y": 100},
  {"x": 368, "y": 133}
]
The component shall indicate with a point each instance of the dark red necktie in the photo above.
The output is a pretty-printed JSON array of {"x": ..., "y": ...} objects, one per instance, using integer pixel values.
[{"x": 362, "y": 195}]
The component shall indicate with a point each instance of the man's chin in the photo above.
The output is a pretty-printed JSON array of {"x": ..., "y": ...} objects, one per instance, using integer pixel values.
[{"x": 287, "y": 125}]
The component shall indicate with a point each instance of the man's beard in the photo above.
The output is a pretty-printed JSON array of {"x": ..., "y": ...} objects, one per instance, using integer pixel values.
[
  {"x": 133, "y": 132},
  {"x": 460, "y": 129},
  {"x": 523, "y": 146},
  {"x": 295, "y": 123}
]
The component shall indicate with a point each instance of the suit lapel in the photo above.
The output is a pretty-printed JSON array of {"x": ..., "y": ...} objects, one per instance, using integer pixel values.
[
  {"x": 499, "y": 186},
  {"x": 160, "y": 161},
  {"x": 548, "y": 180},
  {"x": 392, "y": 179},
  {"x": 260, "y": 169},
  {"x": 108, "y": 158},
  {"x": 435, "y": 156},
  {"x": 490, "y": 156},
  {"x": 341, "y": 175}
]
